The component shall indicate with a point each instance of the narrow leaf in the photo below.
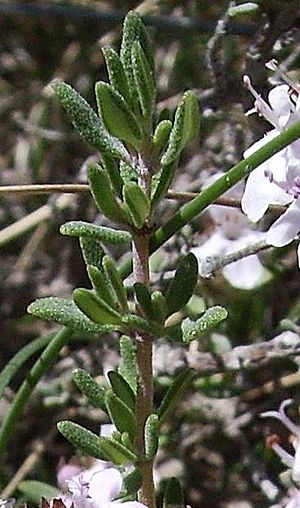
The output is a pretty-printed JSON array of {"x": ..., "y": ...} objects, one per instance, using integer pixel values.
[
  {"x": 151, "y": 436},
  {"x": 144, "y": 79},
  {"x": 102, "y": 286},
  {"x": 143, "y": 297},
  {"x": 122, "y": 389},
  {"x": 87, "y": 123},
  {"x": 127, "y": 367},
  {"x": 92, "y": 251},
  {"x": 18, "y": 360},
  {"x": 117, "y": 76},
  {"x": 120, "y": 414},
  {"x": 137, "y": 202},
  {"x": 112, "y": 168},
  {"x": 134, "y": 31},
  {"x": 96, "y": 446},
  {"x": 137, "y": 323},
  {"x": 164, "y": 179},
  {"x": 34, "y": 491},
  {"x": 161, "y": 136},
  {"x": 117, "y": 115},
  {"x": 183, "y": 283},
  {"x": 193, "y": 330},
  {"x": 66, "y": 313},
  {"x": 116, "y": 282},
  {"x": 103, "y": 194},
  {"x": 185, "y": 128},
  {"x": 101, "y": 233},
  {"x": 131, "y": 483},
  {"x": 95, "y": 308},
  {"x": 90, "y": 388},
  {"x": 174, "y": 392},
  {"x": 243, "y": 9},
  {"x": 159, "y": 306}
]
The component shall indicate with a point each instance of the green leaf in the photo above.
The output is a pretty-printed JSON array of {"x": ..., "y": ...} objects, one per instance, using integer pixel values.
[
  {"x": 127, "y": 367},
  {"x": 151, "y": 436},
  {"x": 120, "y": 414},
  {"x": 95, "y": 308},
  {"x": 116, "y": 73},
  {"x": 182, "y": 285},
  {"x": 193, "y": 330},
  {"x": 112, "y": 168},
  {"x": 174, "y": 392},
  {"x": 102, "y": 286},
  {"x": 161, "y": 136},
  {"x": 134, "y": 31},
  {"x": 96, "y": 446},
  {"x": 87, "y": 123},
  {"x": 91, "y": 250},
  {"x": 138, "y": 323},
  {"x": 18, "y": 360},
  {"x": 117, "y": 115},
  {"x": 143, "y": 297},
  {"x": 243, "y": 9},
  {"x": 164, "y": 179},
  {"x": 104, "y": 195},
  {"x": 185, "y": 128},
  {"x": 137, "y": 202},
  {"x": 159, "y": 306},
  {"x": 90, "y": 388},
  {"x": 122, "y": 389},
  {"x": 116, "y": 282},
  {"x": 66, "y": 313},
  {"x": 126, "y": 441},
  {"x": 128, "y": 173},
  {"x": 131, "y": 483},
  {"x": 101, "y": 233},
  {"x": 144, "y": 79},
  {"x": 173, "y": 496},
  {"x": 34, "y": 491}
]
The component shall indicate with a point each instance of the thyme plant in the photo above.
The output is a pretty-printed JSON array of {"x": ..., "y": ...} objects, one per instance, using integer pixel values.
[{"x": 138, "y": 157}]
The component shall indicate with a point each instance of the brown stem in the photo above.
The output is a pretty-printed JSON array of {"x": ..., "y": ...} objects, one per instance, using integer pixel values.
[{"x": 144, "y": 403}]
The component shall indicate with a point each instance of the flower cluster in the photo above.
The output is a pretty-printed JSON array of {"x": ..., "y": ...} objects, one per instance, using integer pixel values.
[
  {"x": 276, "y": 181},
  {"x": 97, "y": 487}
]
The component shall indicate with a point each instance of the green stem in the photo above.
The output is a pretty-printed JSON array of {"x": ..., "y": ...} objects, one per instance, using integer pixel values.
[
  {"x": 190, "y": 210},
  {"x": 37, "y": 371}
]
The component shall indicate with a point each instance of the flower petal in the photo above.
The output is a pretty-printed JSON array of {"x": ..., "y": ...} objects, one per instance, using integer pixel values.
[
  {"x": 260, "y": 192},
  {"x": 286, "y": 228},
  {"x": 105, "y": 486},
  {"x": 246, "y": 273},
  {"x": 281, "y": 104}
]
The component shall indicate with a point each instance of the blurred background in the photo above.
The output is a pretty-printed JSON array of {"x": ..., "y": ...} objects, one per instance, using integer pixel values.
[{"x": 215, "y": 441}]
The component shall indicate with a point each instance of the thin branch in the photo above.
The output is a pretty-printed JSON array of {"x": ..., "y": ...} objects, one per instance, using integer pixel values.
[
  {"x": 78, "y": 188},
  {"x": 215, "y": 263},
  {"x": 170, "y": 24},
  {"x": 245, "y": 357}
]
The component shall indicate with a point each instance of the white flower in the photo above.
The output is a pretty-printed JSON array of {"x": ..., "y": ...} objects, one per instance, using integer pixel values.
[
  {"x": 98, "y": 490},
  {"x": 291, "y": 461},
  {"x": 232, "y": 233},
  {"x": 276, "y": 181},
  {"x": 93, "y": 488},
  {"x": 294, "y": 499}
]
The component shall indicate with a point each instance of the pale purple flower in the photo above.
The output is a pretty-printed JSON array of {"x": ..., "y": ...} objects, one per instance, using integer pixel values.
[
  {"x": 294, "y": 499},
  {"x": 96, "y": 488},
  {"x": 232, "y": 233},
  {"x": 276, "y": 181},
  {"x": 291, "y": 461}
]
